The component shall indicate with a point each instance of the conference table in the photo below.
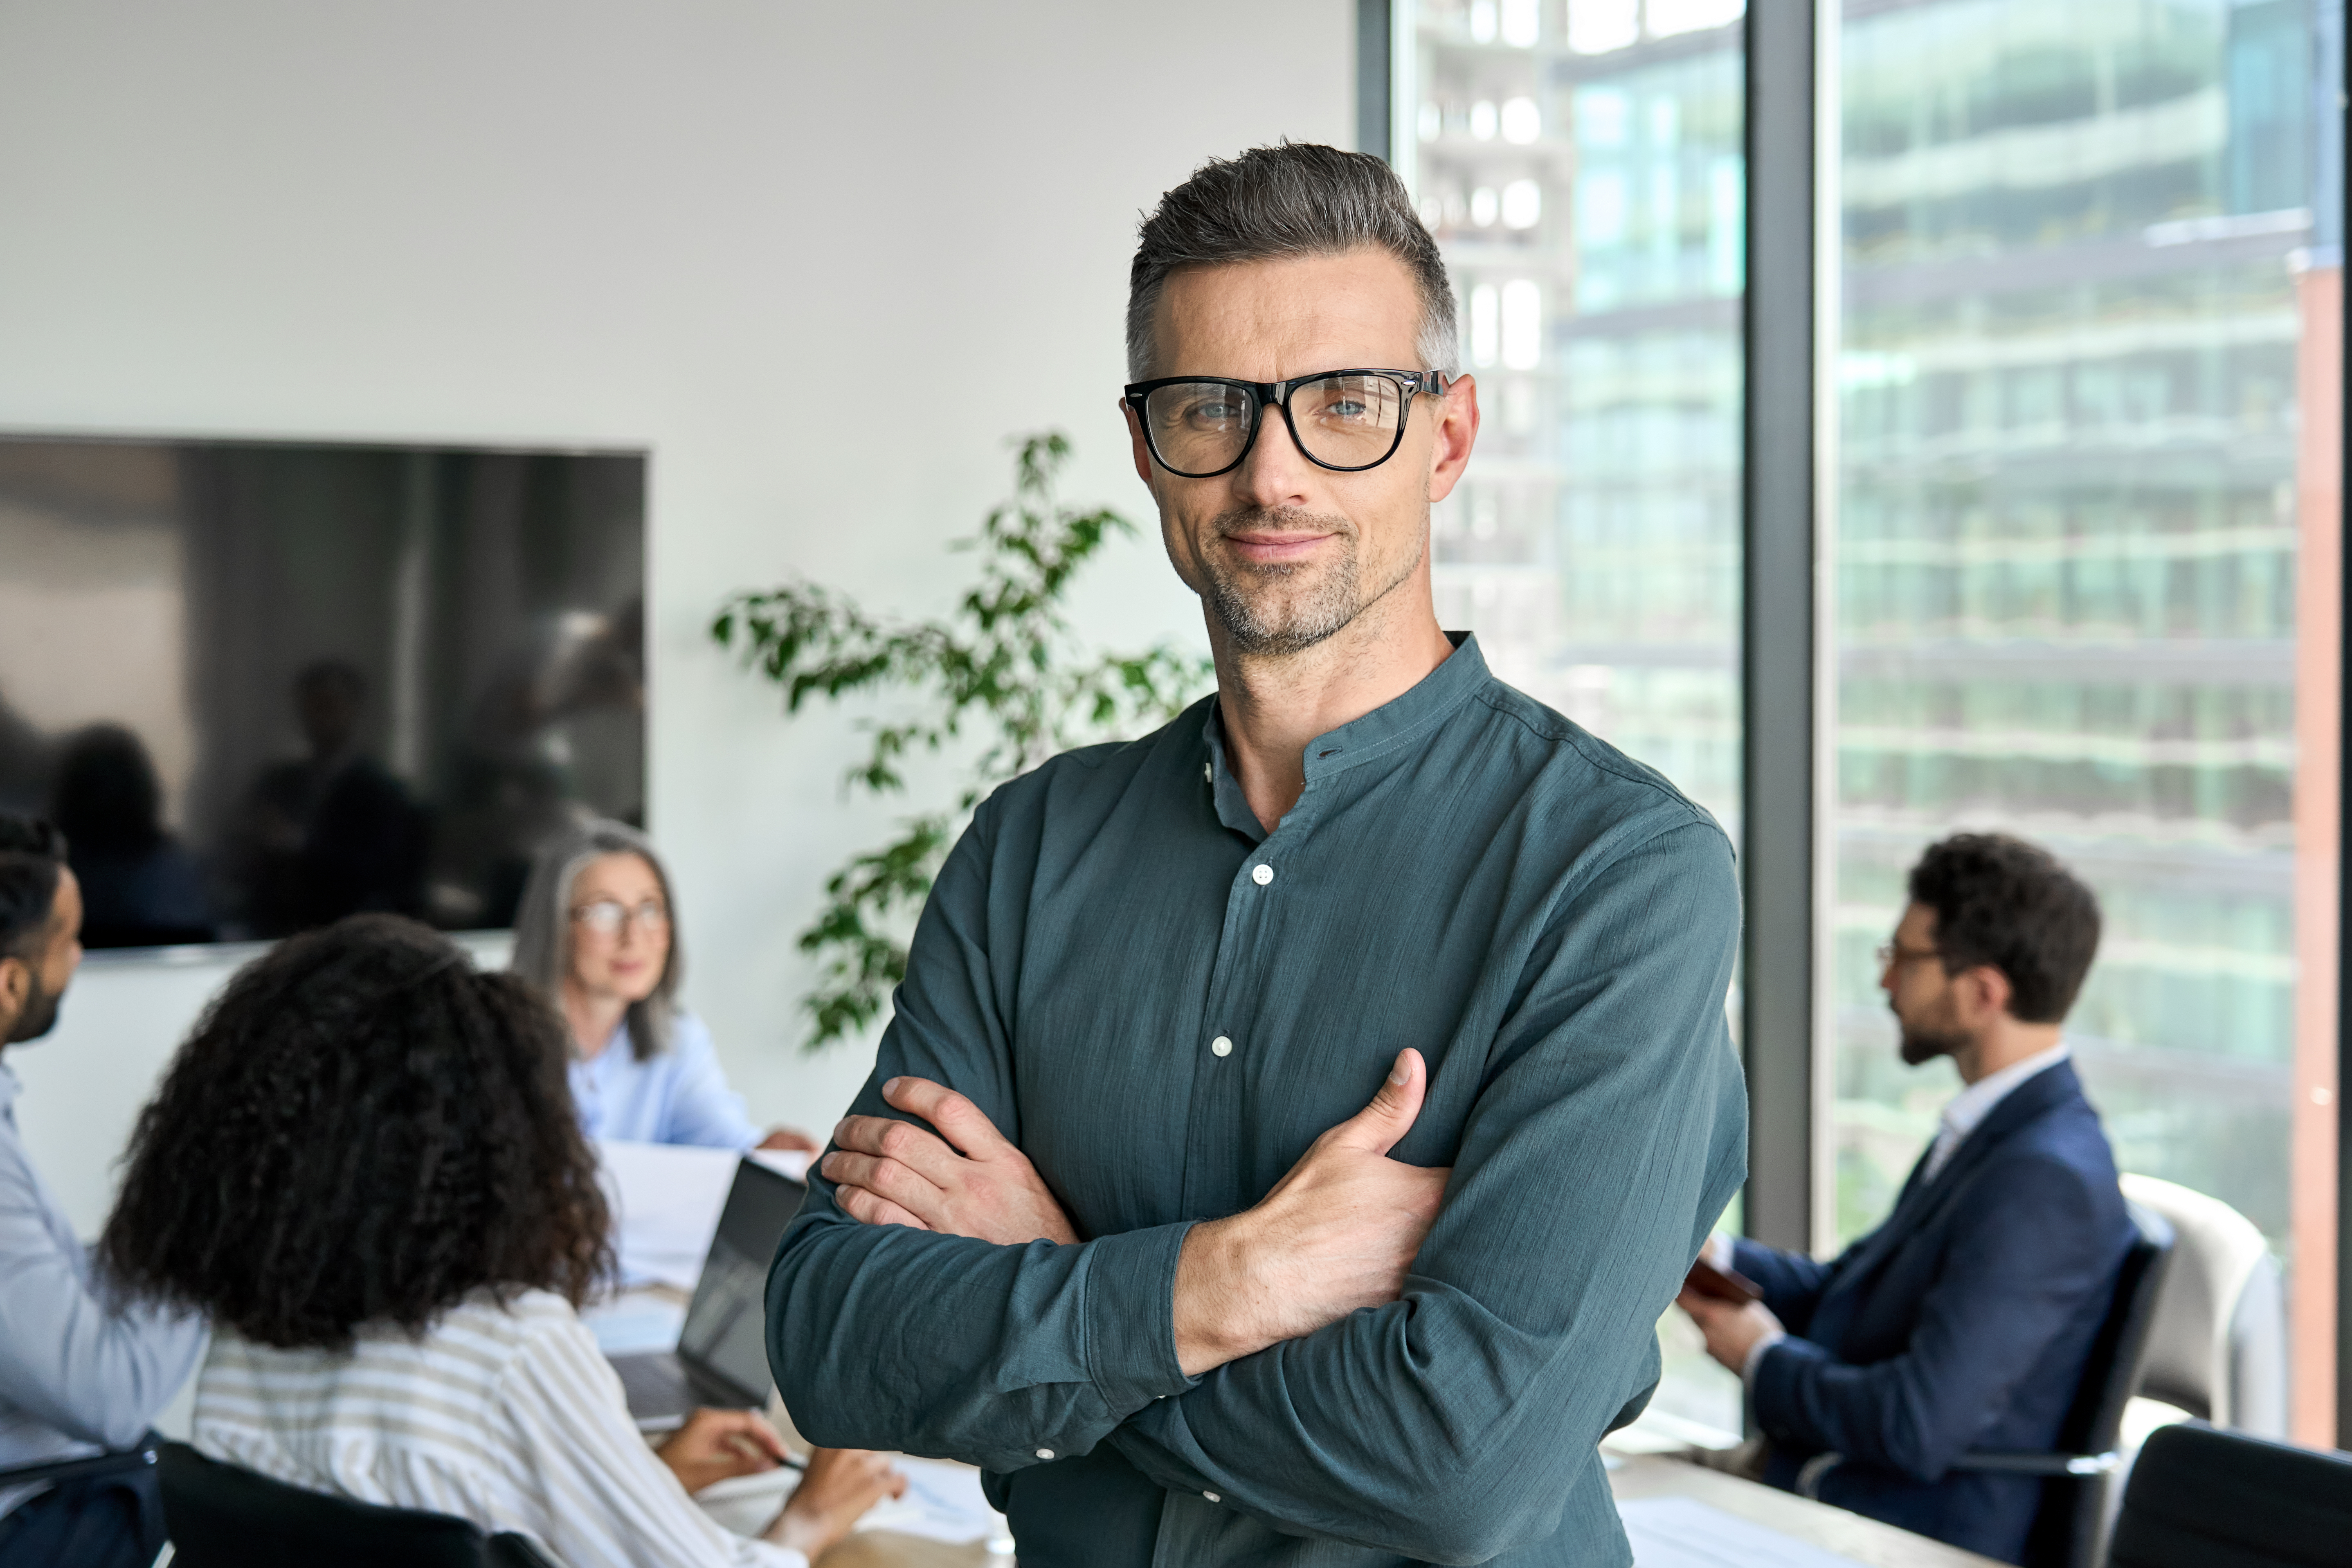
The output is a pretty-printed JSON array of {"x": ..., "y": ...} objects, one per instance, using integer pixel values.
[{"x": 1833, "y": 1530}]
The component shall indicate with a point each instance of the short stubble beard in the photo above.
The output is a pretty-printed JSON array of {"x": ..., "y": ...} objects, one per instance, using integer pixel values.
[
  {"x": 1245, "y": 598},
  {"x": 1922, "y": 1044},
  {"x": 40, "y": 1017}
]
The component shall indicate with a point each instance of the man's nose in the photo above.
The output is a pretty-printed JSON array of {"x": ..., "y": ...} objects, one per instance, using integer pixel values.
[{"x": 1275, "y": 473}]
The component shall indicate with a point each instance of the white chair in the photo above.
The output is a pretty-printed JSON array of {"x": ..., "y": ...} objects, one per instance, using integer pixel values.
[{"x": 2218, "y": 1350}]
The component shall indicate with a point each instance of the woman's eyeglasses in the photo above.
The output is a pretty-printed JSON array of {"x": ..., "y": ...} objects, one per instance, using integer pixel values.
[{"x": 606, "y": 917}]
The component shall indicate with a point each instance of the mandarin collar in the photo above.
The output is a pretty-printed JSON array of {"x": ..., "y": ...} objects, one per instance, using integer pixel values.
[{"x": 1383, "y": 734}]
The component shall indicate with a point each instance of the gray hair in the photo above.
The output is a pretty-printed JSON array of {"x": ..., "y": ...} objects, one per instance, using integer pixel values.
[
  {"x": 1297, "y": 199},
  {"x": 543, "y": 943}
]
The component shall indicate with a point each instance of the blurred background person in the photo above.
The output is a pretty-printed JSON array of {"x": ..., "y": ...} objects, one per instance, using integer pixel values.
[
  {"x": 334, "y": 832},
  {"x": 1966, "y": 1321},
  {"x": 402, "y": 1217},
  {"x": 81, "y": 1373},
  {"x": 140, "y": 885},
  {"x": 597, "y": 934}
]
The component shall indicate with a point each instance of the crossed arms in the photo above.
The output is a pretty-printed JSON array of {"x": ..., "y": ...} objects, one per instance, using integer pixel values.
[{"x": 1300, "y": 1359}]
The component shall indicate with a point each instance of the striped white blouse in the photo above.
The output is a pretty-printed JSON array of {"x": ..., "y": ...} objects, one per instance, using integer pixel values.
[{"x": 509, "y": 1418}]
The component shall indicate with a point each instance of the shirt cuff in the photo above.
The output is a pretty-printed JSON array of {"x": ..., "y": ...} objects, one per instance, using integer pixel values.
[
  {"x": 1756, "y": 1358},
  {"x": 1130, "y": 1316}
]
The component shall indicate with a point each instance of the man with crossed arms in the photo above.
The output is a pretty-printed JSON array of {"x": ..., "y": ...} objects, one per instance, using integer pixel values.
[{"x": 1133, "y": 1240}]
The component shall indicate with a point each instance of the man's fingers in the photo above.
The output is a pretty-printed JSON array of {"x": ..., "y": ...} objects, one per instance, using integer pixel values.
[
  {"x": 869, "y": 1208},
  {"x": 924, "y": 1152},
  {"x": 885, "y": 1179},
  {"x": 1377, "y": 1126},
  {"x": 960, "y": 1122}
]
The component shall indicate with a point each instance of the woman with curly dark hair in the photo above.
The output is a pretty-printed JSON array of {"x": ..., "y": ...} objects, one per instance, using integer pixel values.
[{"x": 365, "y": 1169}]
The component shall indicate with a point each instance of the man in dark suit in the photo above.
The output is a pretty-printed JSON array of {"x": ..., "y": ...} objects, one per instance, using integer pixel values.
[{"x": 1963, "y": 1321}]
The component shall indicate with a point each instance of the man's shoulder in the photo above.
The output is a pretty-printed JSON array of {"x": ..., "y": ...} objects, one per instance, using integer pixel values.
[
  {"x": 1566, "y": 768},
  {"x": 1109, "y": 766}
]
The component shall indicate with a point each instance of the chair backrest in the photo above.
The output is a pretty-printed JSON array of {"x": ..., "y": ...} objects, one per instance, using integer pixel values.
[
  {"x": 2199, "y": 1498},
  {"x": 222, "y": 1516},
  {"x": 2073, "y": 1516},
  {"x": 2218, "y": 1347}
]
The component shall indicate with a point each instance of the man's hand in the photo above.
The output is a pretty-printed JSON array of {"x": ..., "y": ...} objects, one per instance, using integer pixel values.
[
  {"x": 789, "y": 1139},
  {"x": 970, "y": 1182},
  {"x": 1338, "y": 1232},
  {"x": 1733, "y": 1329}
]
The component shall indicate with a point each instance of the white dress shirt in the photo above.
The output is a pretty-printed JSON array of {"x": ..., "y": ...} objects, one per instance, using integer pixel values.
[
  {"x": 507, "y": 1416},
  {"x": 1973, "y": 1104},
  {"x": 79, "y": 1372}
]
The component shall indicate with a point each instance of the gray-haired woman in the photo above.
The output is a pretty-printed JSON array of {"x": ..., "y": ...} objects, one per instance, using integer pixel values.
[{"x": 596, "y": 933}]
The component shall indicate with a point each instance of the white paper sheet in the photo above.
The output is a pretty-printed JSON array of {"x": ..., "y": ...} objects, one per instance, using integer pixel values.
[
  {"x": 665, "y": 1200},
  {"x": 943, "y": 1502},
  {"x": 1679, "y": 1532}
]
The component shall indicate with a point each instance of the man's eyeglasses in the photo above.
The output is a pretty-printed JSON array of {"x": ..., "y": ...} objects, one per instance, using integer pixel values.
[
  {"x": 1892, "y": 954},
  {"x": 607, "y": 917},
  {"x": 1346, "y": 420}
]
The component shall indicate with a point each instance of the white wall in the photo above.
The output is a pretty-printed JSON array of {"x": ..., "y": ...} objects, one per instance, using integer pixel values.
[{"x": 730, "y": 232}]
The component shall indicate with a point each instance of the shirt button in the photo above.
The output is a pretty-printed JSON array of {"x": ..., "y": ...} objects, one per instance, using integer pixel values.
[
  {"x": 1261, "y": 875},
  {"x": 1222, "y": 1045},
  {"x": 1213, "y": 1497},
  {"x": 1044, "y": 1453}
]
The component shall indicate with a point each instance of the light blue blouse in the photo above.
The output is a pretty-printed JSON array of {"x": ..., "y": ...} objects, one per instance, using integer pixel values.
[{"x": 679, "y": 1095}]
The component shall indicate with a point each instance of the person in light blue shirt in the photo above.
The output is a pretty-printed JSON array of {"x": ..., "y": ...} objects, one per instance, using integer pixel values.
[
  {"x": 597, "y": 934},
  {"x": 81, "y": 1373}
]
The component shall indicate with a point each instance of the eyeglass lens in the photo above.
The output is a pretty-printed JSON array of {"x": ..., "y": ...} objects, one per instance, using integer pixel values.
[
  {"x": 1202, "y": 427},
  {"x": 605, "y": 917}
]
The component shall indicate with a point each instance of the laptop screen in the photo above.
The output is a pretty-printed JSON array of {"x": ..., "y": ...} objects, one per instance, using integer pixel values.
[{"x": 725, "y": 1326}]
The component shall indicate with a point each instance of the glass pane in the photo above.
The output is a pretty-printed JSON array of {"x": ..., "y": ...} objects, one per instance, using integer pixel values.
[
  {"x": 2090, "y": 286},
  {"x": 1580, "y": 165}
]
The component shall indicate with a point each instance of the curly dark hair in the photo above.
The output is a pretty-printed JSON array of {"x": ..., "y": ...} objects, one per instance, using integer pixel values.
[
  {"x": 2002, "y": 902},
  {"x": 362, "y": 1129}
]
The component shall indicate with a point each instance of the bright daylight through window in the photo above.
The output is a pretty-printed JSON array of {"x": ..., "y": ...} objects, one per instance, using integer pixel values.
[{"x": 2085, "y": 564}]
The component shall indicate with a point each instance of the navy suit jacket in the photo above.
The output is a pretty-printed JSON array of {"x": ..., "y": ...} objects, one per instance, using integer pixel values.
[{"x": 1962, "y": 1322}]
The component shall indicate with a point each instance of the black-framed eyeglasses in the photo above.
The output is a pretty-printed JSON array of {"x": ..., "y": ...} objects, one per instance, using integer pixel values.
[
  {"x": 1893, "y": 954},
  {"x": 1199, "y": 426}
]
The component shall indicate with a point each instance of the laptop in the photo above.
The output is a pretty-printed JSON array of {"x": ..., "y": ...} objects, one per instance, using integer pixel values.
[{"x": 722, "y": 1354}]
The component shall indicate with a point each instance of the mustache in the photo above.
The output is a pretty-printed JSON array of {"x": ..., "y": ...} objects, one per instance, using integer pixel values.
[{"x": 1281, "y": 520}]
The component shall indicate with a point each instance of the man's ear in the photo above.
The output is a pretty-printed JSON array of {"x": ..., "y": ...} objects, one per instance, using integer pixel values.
[{"x": 1983, "y": 995}]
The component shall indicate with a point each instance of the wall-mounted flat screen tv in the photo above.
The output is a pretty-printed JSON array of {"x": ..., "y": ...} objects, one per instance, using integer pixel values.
[{"x": 264, "y": 685}]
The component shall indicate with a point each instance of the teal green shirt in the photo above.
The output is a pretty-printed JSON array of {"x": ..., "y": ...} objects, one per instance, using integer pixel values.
[{"x": 1466, "y": 872}]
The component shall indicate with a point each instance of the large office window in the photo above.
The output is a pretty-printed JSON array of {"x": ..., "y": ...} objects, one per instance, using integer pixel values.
[
  {"x": 1581, "y": 167},
  {"x": 2078, "y": 512},
  {"x": 2085, "y": 563}
]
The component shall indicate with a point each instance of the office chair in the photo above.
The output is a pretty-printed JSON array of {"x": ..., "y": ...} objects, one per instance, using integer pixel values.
[
  {"x": 2218, "y": 1347},
  {"x": 2068, "y": 1528},
  {"x": 222, "y": 1516},
  {"x": 2200, "y": 1496}
]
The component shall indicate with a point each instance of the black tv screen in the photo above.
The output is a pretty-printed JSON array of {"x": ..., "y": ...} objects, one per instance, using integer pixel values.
[{"x": 265, "y": 685}]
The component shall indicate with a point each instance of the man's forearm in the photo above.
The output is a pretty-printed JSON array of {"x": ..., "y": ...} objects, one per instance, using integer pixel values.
[{"x": 1024, "y": 1352}]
